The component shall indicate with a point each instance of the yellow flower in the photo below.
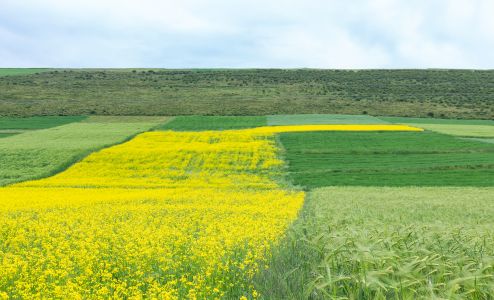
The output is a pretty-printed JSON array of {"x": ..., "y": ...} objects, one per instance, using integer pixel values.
[{"x": 168, "y": 215}]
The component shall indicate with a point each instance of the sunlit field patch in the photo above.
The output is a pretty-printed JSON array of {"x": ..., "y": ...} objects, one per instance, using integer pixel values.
[
  {"x": 165, "y": 215},
  {"x": 333, "y": 127},
  {"x": 387, "y": 243}
]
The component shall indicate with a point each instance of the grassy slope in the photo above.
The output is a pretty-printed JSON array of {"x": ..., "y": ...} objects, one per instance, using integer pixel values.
[
  {"x": 377, "y": 243},
  {"x": 322, "y": 119},
  {"x": 41, "y": 153},
  {"x": 37, "y": 122},
  {"x": 387, "y": 159},
  {"x": 199, "y": 123},
  {"x": 21, "y": 71},
  {"x": 451, "y": 93}
]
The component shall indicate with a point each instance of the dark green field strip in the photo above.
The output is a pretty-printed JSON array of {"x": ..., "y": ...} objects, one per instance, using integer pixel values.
[
  {"x": 420, "y": 161},
  {"x": 201, "y": 123},
  {"x": 404, "y": 120},
  {"x": 322, "y": 119},
  {"x": 475, "y": 176},
  {"x": 380, "y": 142},
  {"x": 317, "y": 159},
  {"x": 21, "y": 71},
  {"x": 37, "y": 122},
  {"x": 386, "y": 243},
  {"x": 2, "y": 135}
]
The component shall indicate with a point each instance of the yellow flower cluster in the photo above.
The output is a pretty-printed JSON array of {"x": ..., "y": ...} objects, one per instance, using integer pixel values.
[{"x": 166, "y": 215}]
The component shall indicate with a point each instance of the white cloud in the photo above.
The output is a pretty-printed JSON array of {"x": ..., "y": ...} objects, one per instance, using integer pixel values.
[{"x": 243, "y": 33}]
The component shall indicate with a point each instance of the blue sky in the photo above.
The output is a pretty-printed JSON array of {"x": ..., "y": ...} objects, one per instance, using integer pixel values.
[{"x": 247, "y": 33}]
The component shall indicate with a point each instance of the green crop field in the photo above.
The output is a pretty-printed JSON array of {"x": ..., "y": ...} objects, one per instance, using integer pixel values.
[
  {"x": 410, "y": 93},
  {"x": 200, "y": 123},
  {"x": 43, "y": 152},
  {"x": 484, "y": 140},
  {"x": 402, "y": 120},
  {"x": 387, "y": 243},
  {"x": 4, "y": 134},
  {"x": 460, "y": 130},
  {"x": 387, "y": 159},
  {"x": 386, "y": 215},
  {"x": 37, "y": 122},
  {"x": 465, "y": 128},
  {"x": 322, "y": 119}
]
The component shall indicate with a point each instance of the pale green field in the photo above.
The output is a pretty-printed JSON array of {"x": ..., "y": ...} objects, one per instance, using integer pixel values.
[
  {"x": 41, "y": 153},
  {"x": 484, "y": 140},
  {"x": 322, "y": 119},
  {"x": 404, "y": 120},
  {"x": 460, "y": 130},
  {"x": 387, "y": 243}
]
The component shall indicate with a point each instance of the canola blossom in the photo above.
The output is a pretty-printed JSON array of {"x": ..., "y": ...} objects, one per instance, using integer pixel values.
[
  {"x": 169, "y": 215},
  {"x": 166, "y": 215}
]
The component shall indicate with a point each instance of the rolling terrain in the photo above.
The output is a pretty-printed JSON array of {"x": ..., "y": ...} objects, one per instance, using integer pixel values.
[{"x": 466, "y": 94}]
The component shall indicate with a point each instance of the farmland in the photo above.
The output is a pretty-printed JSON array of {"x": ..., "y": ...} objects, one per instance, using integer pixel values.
[
  {"x": 201, "y": 123},
  {"x": 319, "y": 159},
  {"x": 43, "y": 152},
  {"x": 304, "y": 206},
  {"x": 387, "y": 243},
  {"x": 206, "y": 227}
]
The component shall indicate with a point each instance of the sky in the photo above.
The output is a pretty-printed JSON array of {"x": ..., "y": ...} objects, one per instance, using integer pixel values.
[{"x": 351, "y": 34}]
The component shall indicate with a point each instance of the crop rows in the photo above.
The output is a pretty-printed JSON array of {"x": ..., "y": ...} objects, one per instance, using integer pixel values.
[{"x": 387, "y": 159}]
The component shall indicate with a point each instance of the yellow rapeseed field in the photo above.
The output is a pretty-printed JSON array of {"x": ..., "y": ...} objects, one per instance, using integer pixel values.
[{"x": 168, "y": 215}]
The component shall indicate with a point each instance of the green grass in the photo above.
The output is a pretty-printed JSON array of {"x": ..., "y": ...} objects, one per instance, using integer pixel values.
[
  {"x": 3, "y": 134},
  {"x": 126, "y": 119},
  {"x": 484, "y": 140},
  {"x": 201, "y": 123},
  {"x": 386, "y": 243},
  {"x": 37, "y": 122},
  {"x": 460, "y": 130},
  {"x": 466, "y": 128},
  {"x": 322, "y": 119},
  {"x": 21, "y": 71},
  {"x": 41, "y": 153},
  {"x": 416, "y": 93},
  {"x": 317, "y": 159},
  {"x": 402, "y": 120}
]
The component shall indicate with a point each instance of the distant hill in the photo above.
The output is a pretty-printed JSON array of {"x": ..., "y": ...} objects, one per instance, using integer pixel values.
[{"x": 411, "y": 93}]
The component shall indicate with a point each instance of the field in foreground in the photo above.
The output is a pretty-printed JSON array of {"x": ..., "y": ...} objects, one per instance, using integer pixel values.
[
  {"x": 165, "y": 215},
  {"x": 189, "y": 213},
  {"x": 387, "y": 243}
]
